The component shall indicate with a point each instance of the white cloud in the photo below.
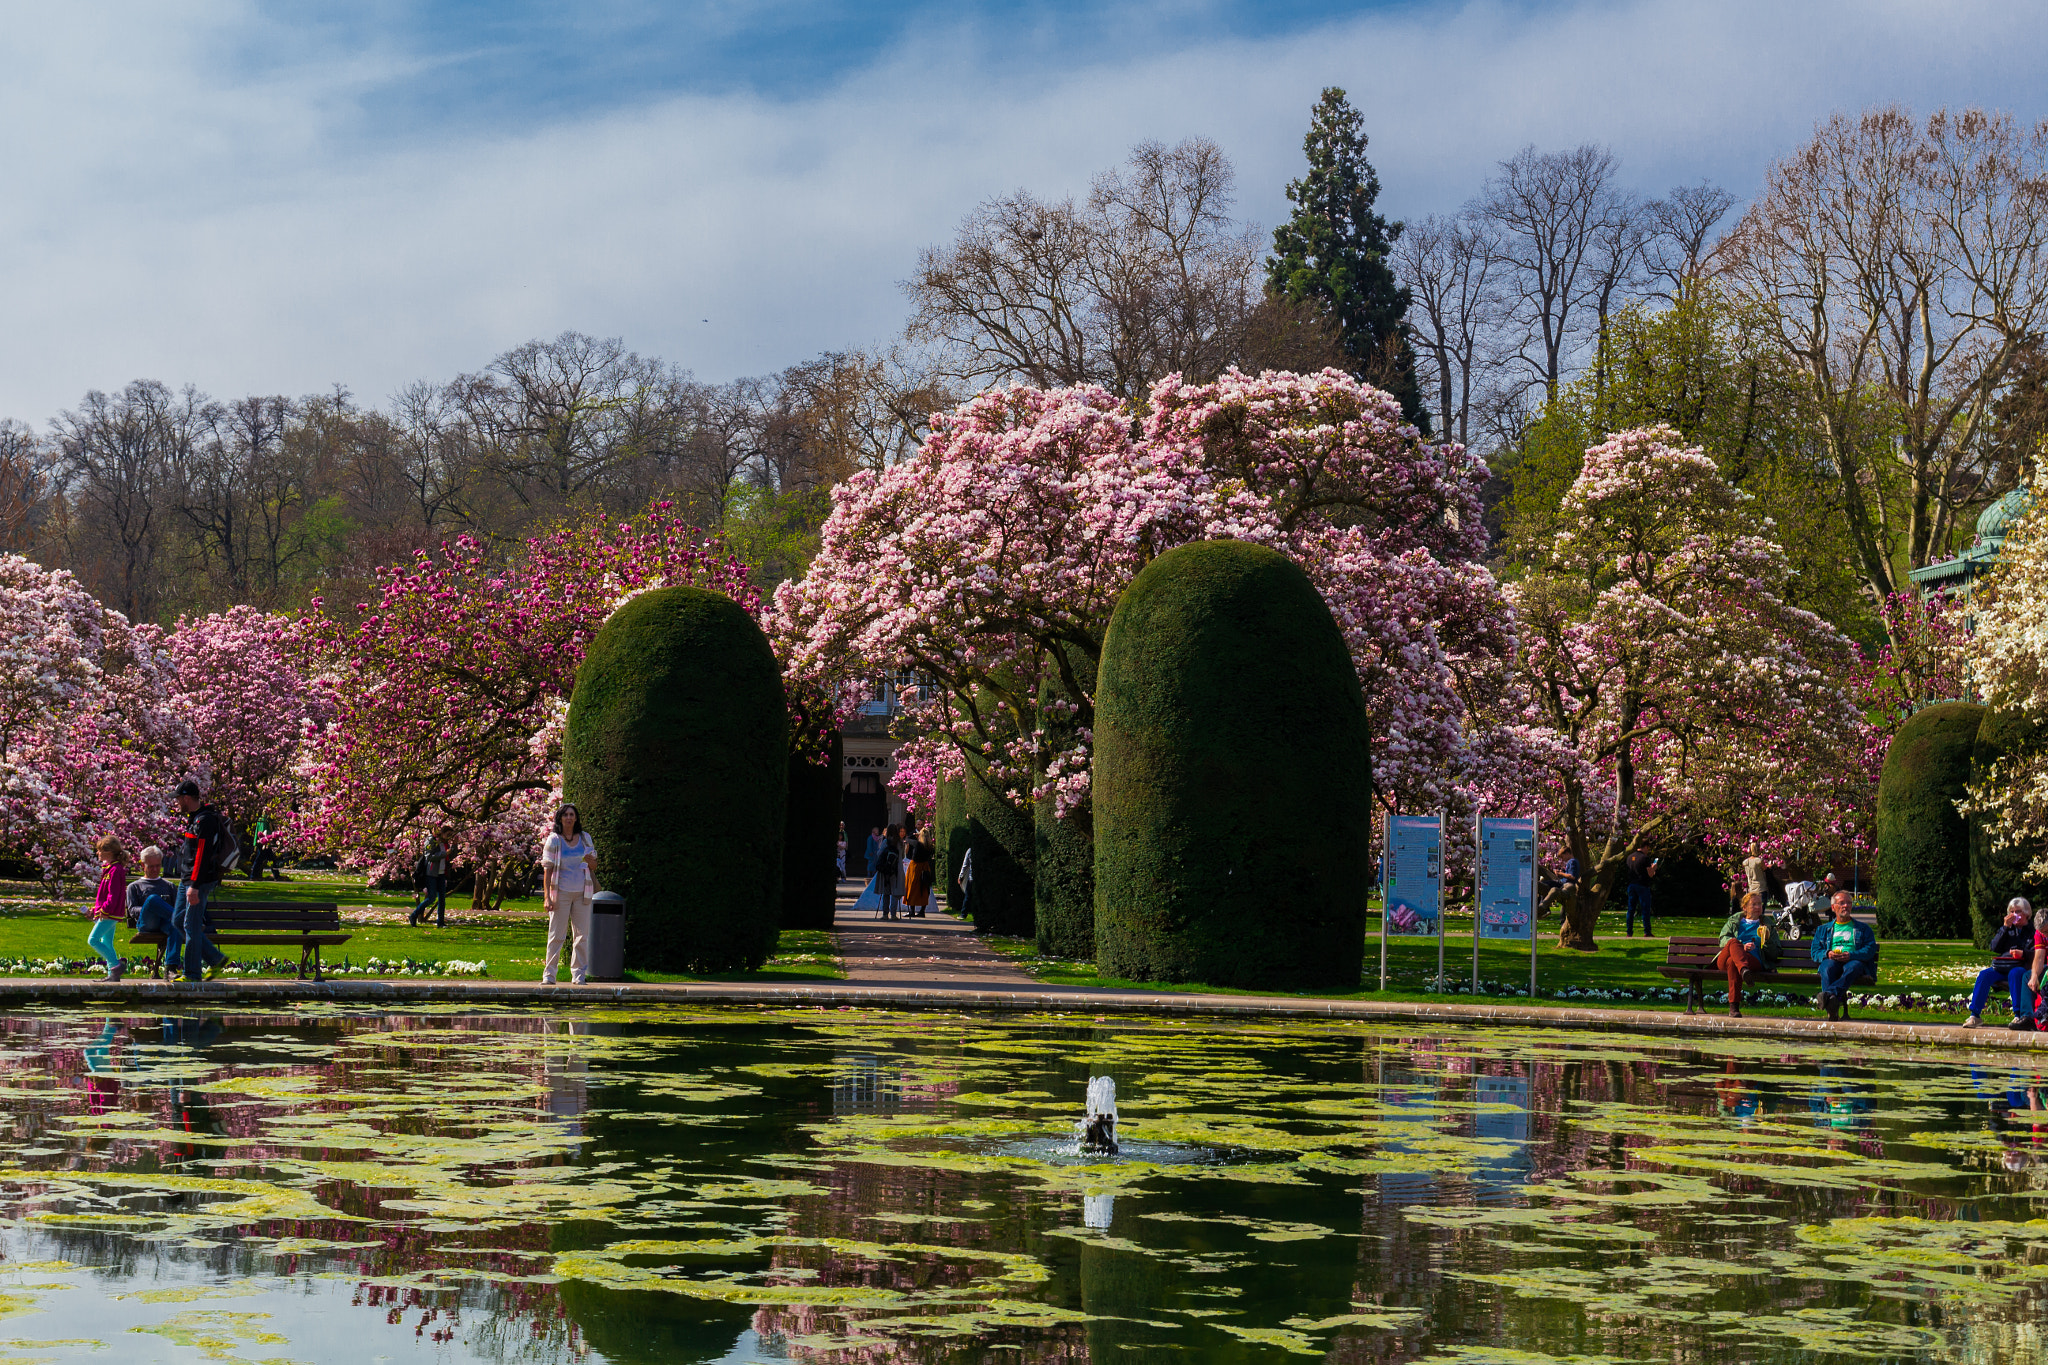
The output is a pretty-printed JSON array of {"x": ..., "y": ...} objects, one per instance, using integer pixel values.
[{"x": 162, "y": 216}]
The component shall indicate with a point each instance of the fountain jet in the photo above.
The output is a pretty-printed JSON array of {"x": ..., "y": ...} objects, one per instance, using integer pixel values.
[{"x": 1097, "y": 1130}]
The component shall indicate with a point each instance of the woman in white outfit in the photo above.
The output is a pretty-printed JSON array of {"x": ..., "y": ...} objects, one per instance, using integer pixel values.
[{"x": 568, "y": 863}]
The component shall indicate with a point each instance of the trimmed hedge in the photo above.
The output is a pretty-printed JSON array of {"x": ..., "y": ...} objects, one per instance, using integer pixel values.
[
  {"x": 1232, "y": 786},
  {"x": 949, "y": 833},
  {"x": 1001, "y": 837},
  {"x": 1999, "y": 874},
  {"x": 1063, "y": 865},
  {"x": 675, "y": 754},
  {"x": 810, "y": 839},
  {"x": 1922, "y": 864}
]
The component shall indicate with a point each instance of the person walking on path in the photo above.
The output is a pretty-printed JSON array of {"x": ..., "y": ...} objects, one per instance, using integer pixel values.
[
  {"x": 433, "y": 882},
  {"x": 568, "y": 880},
  {"x": 2011, "y": 947},
  {"x": 150, "y": 898},
  {"x": 109, "y": 903},
  {"x": 1747, "y": 947},
  {"x": 874, "y": 849},
  {"x": 1642, "y": 870},
  {"x": 1844, "y": 952},
  {"x": 206, "y": 848},
  {"x": 917, "y": 877},
  {"x": 889, "y": 871},
  {"x": 842, "y": 850}
]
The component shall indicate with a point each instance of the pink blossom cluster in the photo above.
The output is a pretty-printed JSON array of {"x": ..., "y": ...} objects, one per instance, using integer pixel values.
[
  {"x": 990, "y": 561},
  {"x": 1683, "y": 696},
  {"x": 449, "y": 690}
]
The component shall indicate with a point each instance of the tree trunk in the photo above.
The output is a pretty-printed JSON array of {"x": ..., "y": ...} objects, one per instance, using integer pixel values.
[{"x": 1575, "y": 925}]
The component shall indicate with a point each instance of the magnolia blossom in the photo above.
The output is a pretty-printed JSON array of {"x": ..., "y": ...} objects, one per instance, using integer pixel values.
[
  {"x": 236, "y": 678},
  {"x": 2007, "y": 655},
  {"x": 450, "y": 689},
  {"x": 91, "y": 739},
  {"x": 1682, "y": 694},
  {"x": 990, "y": 562}
]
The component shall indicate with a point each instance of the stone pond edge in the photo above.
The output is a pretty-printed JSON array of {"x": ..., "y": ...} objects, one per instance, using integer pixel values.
[{"x": 153, "y": 995}]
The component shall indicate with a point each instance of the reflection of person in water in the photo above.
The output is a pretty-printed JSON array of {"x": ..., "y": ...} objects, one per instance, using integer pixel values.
[
  {"x": 1836, "y": 1100},
  {"x": 189, "y": 1110},
  {"x": 102, "y": 1090},
  {"x": 1736, "y": 1096}
]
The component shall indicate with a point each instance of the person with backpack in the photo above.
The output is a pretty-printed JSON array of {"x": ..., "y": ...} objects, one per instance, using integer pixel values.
[
  {"x": 889, "y": 870},
  {"x": 210, "y": 850}
]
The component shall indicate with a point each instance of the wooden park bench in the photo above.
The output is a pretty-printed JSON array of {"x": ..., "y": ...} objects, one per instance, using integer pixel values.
[
  {"x": 1691, "y": 960},
  {"x": 286, "y": 924}
]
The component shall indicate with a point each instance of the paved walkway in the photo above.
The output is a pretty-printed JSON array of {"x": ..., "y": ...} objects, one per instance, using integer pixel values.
[{"x": 936, "y": 952}]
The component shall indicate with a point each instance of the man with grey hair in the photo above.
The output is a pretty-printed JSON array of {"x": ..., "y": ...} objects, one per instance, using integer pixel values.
[
  {"x": 151, "y": 901},
  {"x": 1844, "y": 952}
]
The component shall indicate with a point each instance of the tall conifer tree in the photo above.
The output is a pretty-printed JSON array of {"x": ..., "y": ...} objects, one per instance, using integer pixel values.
[{"x": 1334, "y": 251}]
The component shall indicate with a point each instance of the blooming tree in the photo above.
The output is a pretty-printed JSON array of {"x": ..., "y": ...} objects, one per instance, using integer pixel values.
[
  {"x": 2008, "y": 660},
  {"x": 1677, "y": 691},
  {"x": 236, "y": 679},
  {"x": 90, "y": 742},
  {"x": 450, "y": 691},
  {"x": 990, "y": 561}
]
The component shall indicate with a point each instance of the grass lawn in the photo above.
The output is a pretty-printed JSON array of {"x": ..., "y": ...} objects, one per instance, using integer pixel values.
[
  {"x": 1624, "y": 968},
  {"x": 510, "y": 942}
]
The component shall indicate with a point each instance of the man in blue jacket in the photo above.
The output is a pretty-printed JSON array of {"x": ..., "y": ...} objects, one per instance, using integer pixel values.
[{"x": 1845, "y": 952}]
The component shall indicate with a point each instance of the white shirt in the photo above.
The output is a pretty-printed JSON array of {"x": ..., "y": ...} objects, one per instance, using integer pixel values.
[{"x": 566, "y": 857}]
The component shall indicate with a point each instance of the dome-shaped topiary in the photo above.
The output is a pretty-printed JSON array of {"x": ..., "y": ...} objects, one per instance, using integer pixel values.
[
  {"x": 1923, "y": 863},
  {"x": 810, "y": 837},
  {"x": 1063, "y": 862},
  {"x": 1999, "y": 874},
  {"x": 675, "y": 753},
  {"x": 949, "y": 835},
  {"x": 1001, "y": 837},
  {"x": 1232, "y": 779}
]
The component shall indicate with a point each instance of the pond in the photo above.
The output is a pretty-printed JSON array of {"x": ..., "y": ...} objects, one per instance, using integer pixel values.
[{"x": 639, "y": 1185}]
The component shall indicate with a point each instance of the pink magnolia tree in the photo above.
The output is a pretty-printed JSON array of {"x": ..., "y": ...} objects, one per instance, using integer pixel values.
[
  {"x": 990, "y": 561},
  {"x": 1668, "y": 687},
  {"x": 236, "y": 679},
  {"x": 450, "y": 690},
  {"x": 90, "y": 740}
]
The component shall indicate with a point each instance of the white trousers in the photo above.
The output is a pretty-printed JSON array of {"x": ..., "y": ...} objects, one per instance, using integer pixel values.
[{"x": 571, "y": 911}]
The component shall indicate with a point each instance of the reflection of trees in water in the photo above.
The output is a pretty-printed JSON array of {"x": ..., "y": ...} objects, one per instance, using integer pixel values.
[{"x": 159, "y": 1068}]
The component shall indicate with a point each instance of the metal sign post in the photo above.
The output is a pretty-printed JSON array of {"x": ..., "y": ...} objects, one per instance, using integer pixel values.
[
  {"x": 1436, "y": 874},
  {"x": 1414, "y": 858},
  {"x": 1386, "y": 880}
]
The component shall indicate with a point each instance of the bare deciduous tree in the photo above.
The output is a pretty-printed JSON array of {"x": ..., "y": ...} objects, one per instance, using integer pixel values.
[
  {"x": 1553, "y": 215},
  {"x": 1449, "y": 267},
  {"x": 1150, "y": 277},
  {"x": 1904, "y": 267},
  {"x": 118, "y": 462}
]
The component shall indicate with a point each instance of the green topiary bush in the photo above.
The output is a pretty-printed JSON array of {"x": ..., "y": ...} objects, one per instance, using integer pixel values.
[
  {"x": 675, "y": 753},
  {"x": 949, "y": 834},
  {"x": 1001, "y": 837},
  {"x": 1999, "y": 874},
  {"x": 810, "y": 839},
  {"x": 1232, "y": 781},
  {"x": 1922, "y": 864},
  {"x": 1063, "y": 863}
]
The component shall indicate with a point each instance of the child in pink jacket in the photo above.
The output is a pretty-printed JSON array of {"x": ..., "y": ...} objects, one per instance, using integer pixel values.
[{"x": 110, "y": 903}]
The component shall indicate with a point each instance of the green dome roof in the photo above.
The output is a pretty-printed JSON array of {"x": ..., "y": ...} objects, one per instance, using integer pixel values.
[{"x": 1997, "y": 519}]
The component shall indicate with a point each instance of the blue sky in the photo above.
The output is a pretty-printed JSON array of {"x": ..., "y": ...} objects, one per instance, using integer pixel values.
[{"x": 267, "y": 197}]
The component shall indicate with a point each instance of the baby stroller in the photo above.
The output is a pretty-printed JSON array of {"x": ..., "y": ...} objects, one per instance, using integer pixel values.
[{"x": 1804, "y": 908}]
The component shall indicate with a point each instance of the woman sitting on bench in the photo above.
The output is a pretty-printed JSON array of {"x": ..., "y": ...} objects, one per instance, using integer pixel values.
[{"x": 1747, "y": 947}]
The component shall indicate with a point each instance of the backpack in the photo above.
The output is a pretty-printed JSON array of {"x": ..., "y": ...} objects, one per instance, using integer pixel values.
[
  {"x": 888, "y": 860},
  {"x": 227, "y": 850}
]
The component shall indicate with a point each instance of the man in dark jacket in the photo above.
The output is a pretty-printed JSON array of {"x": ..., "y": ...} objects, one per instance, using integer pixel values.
[
  {"x": 206, "y": 841},
  {"x": 1642, "y": 871},
  {"x": 1844, "y": 951},
  {"x": 2012, "y": 947}
]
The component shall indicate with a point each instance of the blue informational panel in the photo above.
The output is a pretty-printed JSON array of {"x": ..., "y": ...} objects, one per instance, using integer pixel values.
[
  {"x": 1414, "y": 883},
  {"x": 1507, "y": 878}
]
